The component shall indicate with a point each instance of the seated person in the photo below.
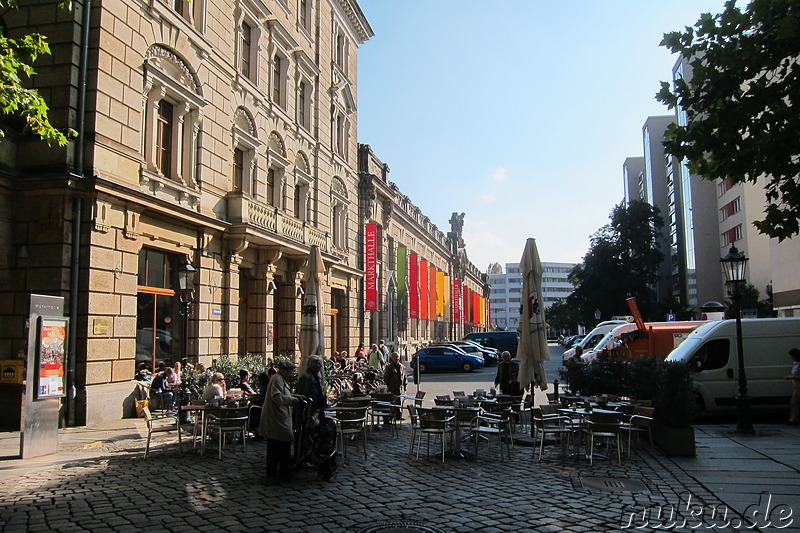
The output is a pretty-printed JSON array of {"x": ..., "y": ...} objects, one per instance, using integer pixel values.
[
  {"x": 359, "y": 387},
  {"x": 216, "y": 389},
  {"x": 160, "y": 388},
  {"x": 143, "y": 374},
  {"x": 341, "y": 360},
  {"x": 244, "y": 378}
]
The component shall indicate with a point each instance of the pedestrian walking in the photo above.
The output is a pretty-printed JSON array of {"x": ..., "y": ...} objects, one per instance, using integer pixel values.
[{"x": 376, "y": 358}]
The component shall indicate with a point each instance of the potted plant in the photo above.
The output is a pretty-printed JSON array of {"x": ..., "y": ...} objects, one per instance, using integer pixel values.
[{"x": 674, "y": 401}]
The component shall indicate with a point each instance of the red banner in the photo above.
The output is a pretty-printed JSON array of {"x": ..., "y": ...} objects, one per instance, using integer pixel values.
[
  {"x": 413, "y": 286},
  {"x": 457, "y": 301},
  {"x": 467, "y": 304},
  {"x": 371, "y": 268}
]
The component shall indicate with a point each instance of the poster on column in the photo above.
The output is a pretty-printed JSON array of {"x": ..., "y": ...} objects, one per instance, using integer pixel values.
[{"x": 51, "y": 355}]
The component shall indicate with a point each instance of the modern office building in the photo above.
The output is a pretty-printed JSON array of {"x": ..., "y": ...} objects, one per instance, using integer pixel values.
[{"x": 505, "y": 297}]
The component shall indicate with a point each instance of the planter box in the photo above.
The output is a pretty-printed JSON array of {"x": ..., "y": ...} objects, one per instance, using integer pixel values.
[{"x": 674, "y": 441}]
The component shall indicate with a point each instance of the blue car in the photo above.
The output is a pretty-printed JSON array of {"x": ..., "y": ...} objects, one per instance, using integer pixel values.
[{"x": 445, "y": 358}]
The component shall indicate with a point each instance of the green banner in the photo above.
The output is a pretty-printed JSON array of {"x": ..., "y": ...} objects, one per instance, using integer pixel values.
[{"x": 402, "y": 270}]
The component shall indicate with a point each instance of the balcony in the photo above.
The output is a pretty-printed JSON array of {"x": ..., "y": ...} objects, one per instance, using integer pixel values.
[{"x": 243, "y": 210}]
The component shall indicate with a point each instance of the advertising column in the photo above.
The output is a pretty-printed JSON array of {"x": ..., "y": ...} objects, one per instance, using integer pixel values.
[{"x": 45, "y": 386}]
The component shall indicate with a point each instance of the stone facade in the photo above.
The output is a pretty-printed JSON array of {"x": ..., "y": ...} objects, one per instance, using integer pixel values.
[
  {"x": 222, "y": 132},
  {"x": 402, "y": 225}
]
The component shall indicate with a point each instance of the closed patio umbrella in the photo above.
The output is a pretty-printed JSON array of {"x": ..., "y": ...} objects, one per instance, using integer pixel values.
[
  {"x": 532, "y": 349},
  {"x": 312, "y": 325}
]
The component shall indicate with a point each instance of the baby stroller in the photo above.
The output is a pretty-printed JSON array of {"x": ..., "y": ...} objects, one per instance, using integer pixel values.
[{"x": 315, "y": 442}]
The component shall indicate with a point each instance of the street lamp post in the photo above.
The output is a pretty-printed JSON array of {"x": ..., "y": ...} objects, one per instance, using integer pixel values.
[
  {"x": 186, "y": 276},
  {"x": 734, "y": 265}
]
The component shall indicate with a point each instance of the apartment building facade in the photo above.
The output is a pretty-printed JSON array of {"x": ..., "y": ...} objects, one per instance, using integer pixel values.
[{"x": 505, "y": 297}]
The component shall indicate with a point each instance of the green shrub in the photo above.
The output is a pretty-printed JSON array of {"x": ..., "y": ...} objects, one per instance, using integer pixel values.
[{"x": 669, "y": 385}]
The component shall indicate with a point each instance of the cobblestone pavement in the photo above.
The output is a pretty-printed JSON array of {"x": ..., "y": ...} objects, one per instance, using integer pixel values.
[{"x": 100, "y": 482}]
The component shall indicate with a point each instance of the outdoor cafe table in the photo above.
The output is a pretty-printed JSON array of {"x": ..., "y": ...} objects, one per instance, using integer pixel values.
[
  {"x": 201, "y": 410},
  {"x": 460, "y": 413}
]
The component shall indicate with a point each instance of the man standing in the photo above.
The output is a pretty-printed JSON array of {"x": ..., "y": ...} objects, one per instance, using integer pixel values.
[
  {"x": 396, "y": 381},
  {"x": 395, "y": 375},
  {"x": 507, "y": 371},
  {"x": 310, "y": 384},
  {"x": 276, "y": 419}
]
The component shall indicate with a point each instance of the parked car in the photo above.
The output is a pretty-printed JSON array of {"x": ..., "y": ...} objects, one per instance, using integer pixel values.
[
  {"x": 499, "y": 340},
  {"x": 490, "y": 355},
  {"x": 445, "y": 358},
  {"x": 569, "y": 342}
]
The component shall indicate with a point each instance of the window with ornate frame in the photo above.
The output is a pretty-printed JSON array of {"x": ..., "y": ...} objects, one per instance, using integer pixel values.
[
  {"x": 303, "y": 201},
  {"x": 339, "y": 213},
  {"x": 279, "y": 68},
  {"x": 276, "y": 175},
  {"x": 172, "y": 115},
  {"x": 245, "y": 147},
  {"x": 246, "y": 50}
]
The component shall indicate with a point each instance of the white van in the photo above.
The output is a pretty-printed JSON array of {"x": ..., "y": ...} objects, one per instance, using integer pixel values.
[
  {"x": 593, "y": 337},
  {"x": 711, "y": 351}
]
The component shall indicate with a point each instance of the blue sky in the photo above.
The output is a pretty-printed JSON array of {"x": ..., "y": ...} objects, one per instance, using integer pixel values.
[{"x": 518, "y": 113}]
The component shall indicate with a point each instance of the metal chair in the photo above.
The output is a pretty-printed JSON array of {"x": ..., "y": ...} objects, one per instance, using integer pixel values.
[
  {"x": 433, "y": 422},
  {"x": 154, "y": 427},
  {"x": 488, "y": 425},
  {"x": 604, "y": 426},
  {"x": 386, "y": 412},
  {"x": 640, "y": 422},
  {"x": 352, "y": 422},
  {"x": 557, "y": 425},
  {"x": 414, "y": 417},
  {"x": 228, "y": 420},
  {"x": 458, "y": 393}
]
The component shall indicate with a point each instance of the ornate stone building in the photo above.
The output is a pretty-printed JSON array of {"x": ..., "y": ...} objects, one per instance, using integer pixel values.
[
  {"x": 423, "y": 285},
  {"x": 219, "y": 132}
]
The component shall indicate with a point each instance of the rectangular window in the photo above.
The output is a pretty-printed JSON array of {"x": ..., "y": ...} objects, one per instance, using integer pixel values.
[
  {"x": 271, "y": 187},
  {"x": 302, "y": 97},
  {"x": 247, "y": 46},
  {"x": 238, "y": 169},
  {"x": 276, "y": 80},
  {"x": 340, "y": 44},
  {"x": 164, "y": 138},
  {"x": 298, "y": 201},
  {"x": 304, "y": 14}
]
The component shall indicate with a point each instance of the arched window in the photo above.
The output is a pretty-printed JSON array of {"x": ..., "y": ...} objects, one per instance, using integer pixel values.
[{"x": 173, "y": 105}]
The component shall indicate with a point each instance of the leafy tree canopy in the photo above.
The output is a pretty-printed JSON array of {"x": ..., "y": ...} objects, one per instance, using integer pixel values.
[
  {"x": 622, "y": 261},
  {"x": 16, "y": 59},
  {"x": 741, "y": 101}
]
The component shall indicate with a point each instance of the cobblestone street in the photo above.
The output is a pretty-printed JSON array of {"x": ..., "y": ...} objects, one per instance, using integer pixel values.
[{"x": 100, "y": 482}]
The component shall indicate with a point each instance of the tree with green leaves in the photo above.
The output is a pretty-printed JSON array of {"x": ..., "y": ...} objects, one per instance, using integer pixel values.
[
  {"x": 622, "y": 261},
  {"x": 741, "y": 103},
  {"x": 17, "y": 56},
  {"x": 562, "y": 317}
]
